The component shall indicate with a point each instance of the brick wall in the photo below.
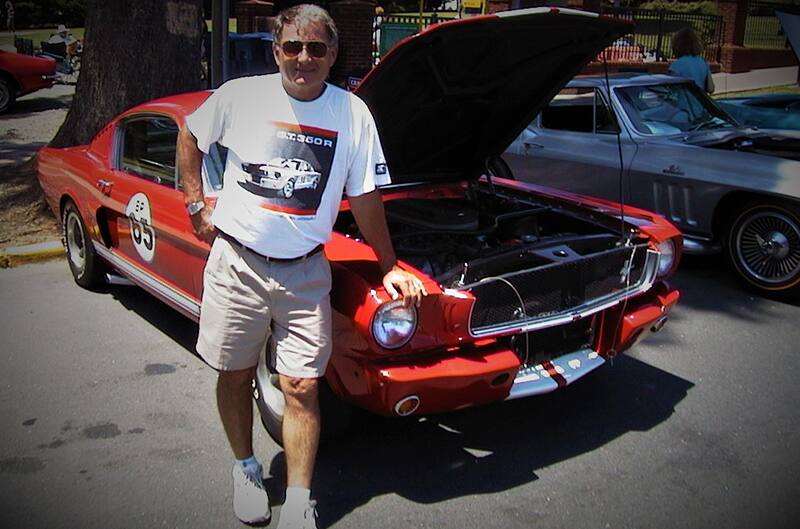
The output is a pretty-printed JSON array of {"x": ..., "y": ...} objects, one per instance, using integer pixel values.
[{"x": 354, "y": 19}]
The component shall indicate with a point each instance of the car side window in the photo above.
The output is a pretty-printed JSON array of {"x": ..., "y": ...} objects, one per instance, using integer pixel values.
[
  {"x": 148, "y": 149},
  {"x": 214, "y": 166},
  {"x": 580, "y": 109}
]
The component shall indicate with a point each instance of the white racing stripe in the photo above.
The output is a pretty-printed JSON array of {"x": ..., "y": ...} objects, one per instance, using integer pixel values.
[
  {"x": 535, "y": 380},
  {"x": 187, "y": 303}
]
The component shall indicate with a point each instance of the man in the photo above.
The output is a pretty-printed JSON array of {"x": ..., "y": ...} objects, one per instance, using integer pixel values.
[
  {"x": 10, "y": 16},
  {"x": 295, "y": 144},
  {"x": 63, "y": 36}
]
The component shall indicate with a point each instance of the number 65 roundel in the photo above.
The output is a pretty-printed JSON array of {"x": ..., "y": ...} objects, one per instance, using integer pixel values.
[{"x": 141, "y": 220}]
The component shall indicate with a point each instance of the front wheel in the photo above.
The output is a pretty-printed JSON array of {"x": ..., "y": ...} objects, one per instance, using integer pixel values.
[
  {"x": 83, "y": 262},
  {"x": 7, "y": 95},
  {"x": 764, "y": 247}
]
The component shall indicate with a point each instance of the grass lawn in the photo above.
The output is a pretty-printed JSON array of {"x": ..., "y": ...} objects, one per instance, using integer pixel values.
[
  {"x": 764, "y": 33},
  {"x": 37, "y": 35}
]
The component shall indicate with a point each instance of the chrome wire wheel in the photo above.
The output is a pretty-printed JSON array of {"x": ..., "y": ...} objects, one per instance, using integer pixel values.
[
  {"x": 76, "y": 243},
  {"x": 765, "y": 247}
]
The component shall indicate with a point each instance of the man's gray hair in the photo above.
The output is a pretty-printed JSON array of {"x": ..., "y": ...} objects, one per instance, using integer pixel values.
[{"x": 304, "y": 14}]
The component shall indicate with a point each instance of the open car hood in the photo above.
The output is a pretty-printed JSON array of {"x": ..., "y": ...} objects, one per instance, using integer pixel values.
[
  {"x": 790, "y": 22},
  {"x": 447, "y": 98}
]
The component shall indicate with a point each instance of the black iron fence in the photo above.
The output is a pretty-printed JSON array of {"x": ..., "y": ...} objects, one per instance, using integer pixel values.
[
  {"x": 652, "y": 34},
  {"x": 391, "y": 29},
  {"x": 649, "y": 41},
  {"x": 763, "y": 29}
]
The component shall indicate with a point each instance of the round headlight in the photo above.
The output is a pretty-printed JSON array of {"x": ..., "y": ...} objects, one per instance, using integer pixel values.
[
  {"x": 667, "y": 259},
  {"x": 394, "y": 324}
]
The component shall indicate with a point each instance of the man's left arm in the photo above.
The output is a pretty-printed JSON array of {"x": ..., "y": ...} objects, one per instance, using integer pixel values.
[{"x": 371, "y": 220}]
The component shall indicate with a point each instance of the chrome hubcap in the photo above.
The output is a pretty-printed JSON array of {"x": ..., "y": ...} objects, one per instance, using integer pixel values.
[
  {"x": 768, "y": 246},
  {"x": 76, "y": 245}
]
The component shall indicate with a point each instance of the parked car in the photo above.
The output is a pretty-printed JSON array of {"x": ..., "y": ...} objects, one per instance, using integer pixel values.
[
  {"x": 530, "y": 289},
  {"x": 726, "y": 186},
  {"x": 23, "y": 74},
  {"x": 773, "y": 113},
  {"x": 776, "y": 113}
]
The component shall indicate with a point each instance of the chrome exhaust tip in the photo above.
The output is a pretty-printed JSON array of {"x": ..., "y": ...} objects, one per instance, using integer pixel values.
[
  {"x": 659, "y": 324},
  {"x": 114, "y": 279}
]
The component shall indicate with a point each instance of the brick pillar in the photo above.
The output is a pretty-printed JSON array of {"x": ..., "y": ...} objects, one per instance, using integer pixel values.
[
  {"x": 496, "y": 6},
  {"x": 252, "y": 16},
  {"x": 354, "y": 19},
  {"x": 591, "y": 5},
  {"x": 734, "y": 16}
]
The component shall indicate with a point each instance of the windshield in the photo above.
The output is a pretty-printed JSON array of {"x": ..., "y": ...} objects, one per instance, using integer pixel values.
[{"x": 672, "y": 109}]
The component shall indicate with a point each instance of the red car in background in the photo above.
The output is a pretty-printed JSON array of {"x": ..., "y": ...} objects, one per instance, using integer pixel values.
[
  {"x": 23, "y": 74},
  {"x": 530, "y": 288}
]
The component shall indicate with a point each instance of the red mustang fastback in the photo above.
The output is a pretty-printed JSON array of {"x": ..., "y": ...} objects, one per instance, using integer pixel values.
[{"x": 530, "y": 288}]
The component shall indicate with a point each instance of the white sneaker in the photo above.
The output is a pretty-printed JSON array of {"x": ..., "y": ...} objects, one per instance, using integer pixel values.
[
  {"x": 250, "y": 500},
  {"x": 305, "y": 518}
]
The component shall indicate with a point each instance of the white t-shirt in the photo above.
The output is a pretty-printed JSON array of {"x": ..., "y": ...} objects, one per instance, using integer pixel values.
[{"x": 289, "y": 161}]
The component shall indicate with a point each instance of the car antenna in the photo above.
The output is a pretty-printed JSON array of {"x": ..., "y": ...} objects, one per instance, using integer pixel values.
[{"x": 624, "y": 240}]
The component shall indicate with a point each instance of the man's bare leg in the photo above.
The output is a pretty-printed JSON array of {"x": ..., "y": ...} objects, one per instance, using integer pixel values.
[
  {"x": 235, "y": 406},
  {"x": 301, "y": 426}
]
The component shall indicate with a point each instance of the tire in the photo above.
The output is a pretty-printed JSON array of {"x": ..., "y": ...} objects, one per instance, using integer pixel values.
[
  {"x": 764, "y": 247},
  {"x": 83, "y": 262},
  {"x": 7, "y": 95},
  {"x": 288, "y": 188},
  {"x": 335, "y": 413},
  {"x": 497, "y": 167}
]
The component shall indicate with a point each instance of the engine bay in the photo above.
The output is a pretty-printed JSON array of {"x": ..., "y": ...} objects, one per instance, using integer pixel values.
[{"x": 460, "y": 241}]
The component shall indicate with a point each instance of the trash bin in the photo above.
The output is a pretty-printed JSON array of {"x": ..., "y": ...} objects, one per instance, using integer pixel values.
[{"x": 250, "y": 54}]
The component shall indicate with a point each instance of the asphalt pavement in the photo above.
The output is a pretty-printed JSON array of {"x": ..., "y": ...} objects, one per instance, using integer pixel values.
[{"x": 108, "y": 421}]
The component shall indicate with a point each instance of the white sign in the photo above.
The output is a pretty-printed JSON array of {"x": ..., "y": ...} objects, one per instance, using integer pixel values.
[{"x": 141, "y": 221}]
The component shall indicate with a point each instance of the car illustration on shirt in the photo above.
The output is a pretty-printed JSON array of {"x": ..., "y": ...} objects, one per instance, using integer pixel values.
[{"x": 284, "y": 174}]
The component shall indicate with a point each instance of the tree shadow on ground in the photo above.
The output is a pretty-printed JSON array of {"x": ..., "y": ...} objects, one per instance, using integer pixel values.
[
  {"x": 30, "y": 105},
  {"x": 13, "y": 154},
  {"x": 487, "y": 449}
]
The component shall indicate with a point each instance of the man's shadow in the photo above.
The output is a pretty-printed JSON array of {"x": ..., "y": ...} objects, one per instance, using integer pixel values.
[{"x": 486, "y": 449}]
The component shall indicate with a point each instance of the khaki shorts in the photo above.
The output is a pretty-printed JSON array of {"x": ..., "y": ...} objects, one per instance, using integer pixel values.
[{"x": 247, "y": 300}]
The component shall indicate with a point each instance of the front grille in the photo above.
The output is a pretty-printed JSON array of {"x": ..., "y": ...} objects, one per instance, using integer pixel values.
[{"x": 563, "y": 289}]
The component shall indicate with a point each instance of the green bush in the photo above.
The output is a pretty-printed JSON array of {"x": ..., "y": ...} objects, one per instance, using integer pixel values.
[{"x": 701, "y": 8}]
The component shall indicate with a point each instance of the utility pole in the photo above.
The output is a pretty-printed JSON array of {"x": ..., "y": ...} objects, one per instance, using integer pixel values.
[{"x": 220, "y": 14}]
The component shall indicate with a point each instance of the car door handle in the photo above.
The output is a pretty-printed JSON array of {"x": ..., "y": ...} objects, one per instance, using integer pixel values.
[
  {"x": 105, "y": 186},
  {"x": 529, "y": 145}
]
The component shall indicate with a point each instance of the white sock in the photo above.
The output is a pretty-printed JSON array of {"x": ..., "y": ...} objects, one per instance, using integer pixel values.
[
  {"x": 297, "y": 498},
  {"x": 251, "y": 467}
]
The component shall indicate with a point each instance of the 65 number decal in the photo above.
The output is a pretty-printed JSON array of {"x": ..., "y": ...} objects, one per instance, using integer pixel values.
[{"x": 141, "y": 223}]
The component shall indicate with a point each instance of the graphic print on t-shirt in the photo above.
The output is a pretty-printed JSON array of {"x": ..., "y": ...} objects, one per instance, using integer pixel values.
[{"x": 293, "y": 176}]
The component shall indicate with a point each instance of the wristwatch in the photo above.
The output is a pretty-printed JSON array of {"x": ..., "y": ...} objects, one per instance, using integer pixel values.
[{"x": 195, "y": 207}]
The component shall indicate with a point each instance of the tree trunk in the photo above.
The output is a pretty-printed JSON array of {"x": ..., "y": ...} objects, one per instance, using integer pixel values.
[{"x": 133, "y": 52}]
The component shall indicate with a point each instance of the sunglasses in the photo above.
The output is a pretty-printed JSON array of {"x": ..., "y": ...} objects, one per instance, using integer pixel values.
[{"x": 316, "y": 49}]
